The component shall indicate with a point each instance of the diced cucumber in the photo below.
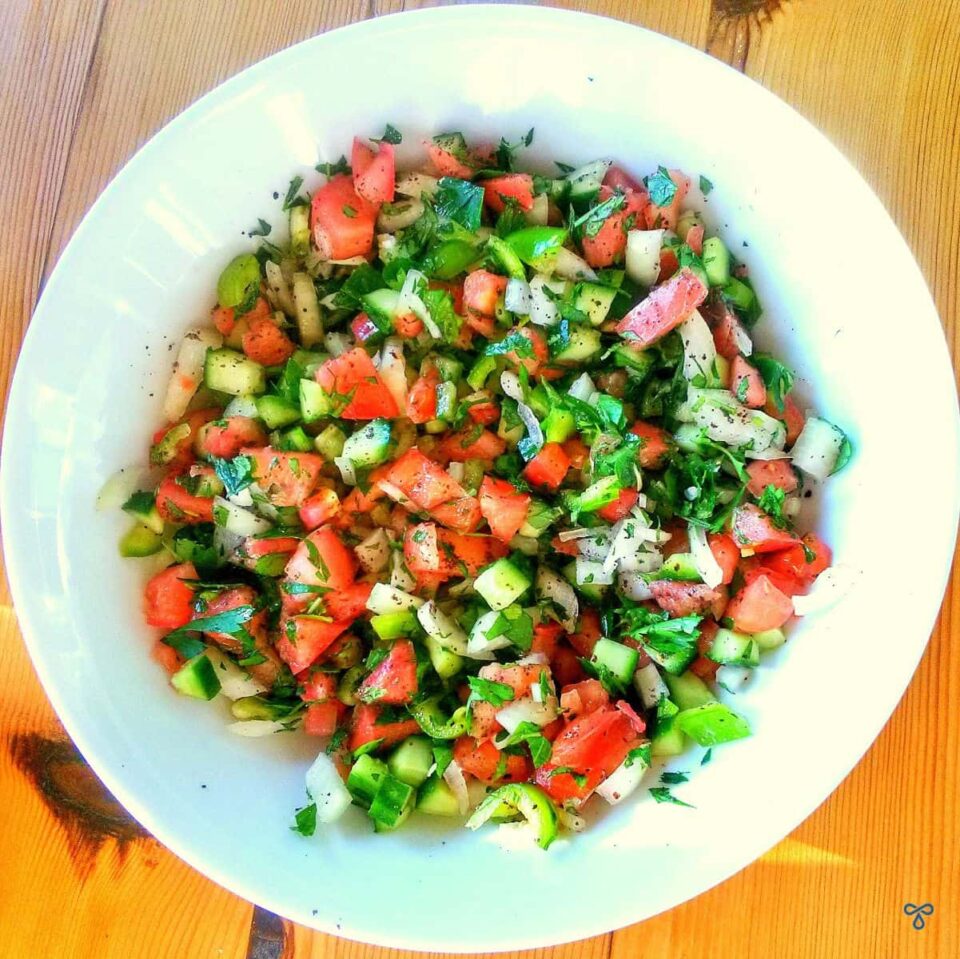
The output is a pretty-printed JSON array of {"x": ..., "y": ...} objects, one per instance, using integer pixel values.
[
  {"x": 501, "y": 584},
  {"x": 444, "y": 662},
  {"x": 453, "y": 143},
  {"x": 585, "y": 181},
  {"x": 238, "y": 281},
  {"x": 381, "y": 306},
  {"x": 276, "y": 412},
  {"x": 819, "y": 449},
  {"x": 712, "y": 724},
  {"x": 436, "y": 798},
  {"x": 716, "y": 261},
  {"x": 196, "y": 678},
  {"x": 365, "y": 777},
  {"x": 621, "y": 660},
  {"x": 473, "y": 473},
  {"x": 480, "y": 371},
  {"x": 639, "y": 362},
  {"x": 449, "y": 367},
  {"x": 539, "y": 517},
  {"x": 668, "y": 740},
  {"x": 139, "y": 541},
  {"x": 370, "y": 445},
  {"x": 394, "y": 625},
  {"x": 347, "y": 687},
  {"x": 591, "y": 591},
  {"x": 255, "y": 707},
  {"x": 314, "y": 401},
  {"x": 510, "y": 428},
  {"x": 329, "y": 444},
  {"x": 228, "y": 371},
  {"x": 296, "y": 440},
  {"x": 604, "y": 491},
  {"x": 506, "y": 258},
  {"x": 769, "y": 639},
  {"x": 446, "y": 402},
  {"x": 300, "y": 229},
  {"x": 681, "y": 567},
  {"x": 559, "y": 425},
  {"x": 740, "y": 295},
  {"x": 168, "y": 446},
  {"x": 583, "y": 344},
  {"x": 241, "y": 406},
  {"x": 410, "y": 762},
  {"x": 688, "y": 690},
  {"x": 392, "y": 804},
  {"x": 595, "y": 300},
  {"x": 143, "y": 508},
  {"x": 734, "y": 649}
]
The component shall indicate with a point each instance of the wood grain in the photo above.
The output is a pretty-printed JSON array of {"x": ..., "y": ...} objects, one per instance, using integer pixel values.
[{"x": 84, "y": 84}]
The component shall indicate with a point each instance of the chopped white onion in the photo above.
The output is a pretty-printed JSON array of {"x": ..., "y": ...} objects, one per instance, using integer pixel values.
[
  {"x": 480, "y": 645},
  {"x": 554, "y": 588},
  {"x": 533, "y": 659},
  {"x": 733, "y": 678},
  {"x": 400, "y": 577},
  {"x": 741, "y": 339},
  {"x": 528, "y": 545},
  {"x": 235, "y": 683},
  {"x": 238, "y": 521},
  {"x": 567, "y": 264},
  {"x": 442, "y": 628},
  {"x": 643, "y": 256},
  {"x": 634, "y": 586},
  {"x": 595, "y": 548},
  {"x": 768, "y": 454},
  {"x": 699, "y": 351},
  {"x": 278, "y": 290},
  {"x": 623, "y": 781},
  {"x": 582, "y": 388},
  {"x": 416, "y": 184},
  {"x": 457, "y": 471},
  {"x": 525, "y": 710},
  {"x": 410, "y": 302},
  {"x": 241, "y": 406},
  {"x": 570, "y": 820},
  {"x": 726, "y": 421},
  {"x": 539, "y": 213},
  {"x": 394, "y": 492},
  {"x": 374, "y": 551},
  {"x": 242, "y": 498},
  {"x": 649, "y": 685},
  {"x": 254, "y": 728},
  {"x": 390, "y": 599},
  {"x": 399, "y": 215},
  {"x": 187, "y": 372},
  {"x": 393, "y": 370},
  {"x": 581, "y": 532},
  {"x": 119, "y": 488},
  {"x": 592, "y": 574},
  {"x": 817, "y": 448},
  {"x": 829, "y": 588},
  {"x": 348, "y": 471},
  {"x": 327, "y": 789},
  {"x": 703, "y": 558},
  {"x": 454, "y": 778},
  {"x": 543, "y": 311},
  {"x": 349, "y": 261},
  {"x": 516, "y": 297},
  {"x": 226, "y": 543},
  {"x": 338, "y": 343}
]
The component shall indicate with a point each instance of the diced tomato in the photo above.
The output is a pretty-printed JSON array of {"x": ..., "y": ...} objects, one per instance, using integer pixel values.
[
  {"x": 679, "y": 541},
  {"x": 319, "y": 687},
  {"x": 588, "y": 632},
  {"x": 513, "y": 186},
  {"x": 166, "y": 656},
  {"x": 483, "y": 411},
  {"x": 394, "y": 681},
  {"x": 177, "y": 505},
  {"x": 168, "y": 600},
  {"x": 695, "y": 239},
  {"x": 702, "y": 666},
  {"x": 473, "y": 551},
  {"x": 654, "y": 446},
  {"x": 540, "y": 352},
  {"x": 705, "y": 668},
  {"x": 764, "y": 473},
  {"x": 790, "y": 415},
  {"x": 669, "y": 264},
  {"x": 321, "y": 719},
  {"x": 429, "y": 550},
  {"x": 786, "y": 582},
  {"x": 255, "y": 548},
  {"x": 618, "y": 179},
  {"x": 364, "y": 728},
  {"x": 225, "y": 601},
  {"x": 446, "y": 163},
  {"x": 363, "y": 328},
  {"x": 358, "y": 503},
  {"x": 686, "y": 599},
  {"x": 304, "y": 639},
  {"x": 482, "y": 760},
  {"x": 424, "y": 482},
  {"x": 422, "y": 398},
  {"x": 607, "y": 246},
  {"x": 408, "y": 325},
  {"x": 587, "y": 696},
  {"x": 472, "y": 444},
  {"x": 486, "y": 326},
  {"x": 323, "y": 560},
  {"x": 577, "y": 451},
  {"x": 593, "y": 745},
  {"x": 746, "y": 383},
  {"x": 184, "y": 448},
  {"x": 353, "y": 381},
  {"x": 795, "y": 562},
  {"x": 754, "y": 529},
  {"x": 759, "y": 606},
  {"x": 265, "y": 343},
  {"x": 667, "y": 216},
  {"x": 565, "y": 666},
  {"x": 728, "y": 334},
  {"x": 549, "y": 467},
  {"x": 503, "y": 507},
  {"x": 726, "y": 554},
  {"x": 319, "y": 508},
  {"x": 462, "y": 515},
  {"x": 481, "y": 293},
  {"x": 225, "y": 438},
  {"x": 361, "y": 156},
  {"x": 287, "y": 479},
  {"x": 615, "y": 511},
  {"x": 421, "y": 550},
  {"x": 564, "y": 547},
  {"x": 376, "y": 181},
  {"x": 454, "y": 288},
  {"x": 348, "y": 602},
  {"x": 341, "y": 221},
  {"x": 546, "y": 635},
  {"x": 664, "y": 309}
]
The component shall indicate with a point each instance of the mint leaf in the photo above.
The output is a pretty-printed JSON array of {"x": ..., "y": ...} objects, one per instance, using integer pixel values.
[
  {"x": 235, "y": 474},
  {"x": 292, "y": 199},
  {"x": 662, "y": 794},
  {"x": 777, "y": 377},
  {"x": 661, "y": 188},
  {"x": 460, "y": 201},
  {"x": 332, "y": 169},
  {"x": 489, "y": 691}
]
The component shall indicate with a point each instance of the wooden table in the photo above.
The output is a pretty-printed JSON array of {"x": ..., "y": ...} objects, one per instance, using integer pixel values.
[{"x": 84, "y": 82}]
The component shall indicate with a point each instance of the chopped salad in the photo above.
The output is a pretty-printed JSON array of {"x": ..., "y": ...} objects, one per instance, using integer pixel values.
[{"x": 477, "y": 477}]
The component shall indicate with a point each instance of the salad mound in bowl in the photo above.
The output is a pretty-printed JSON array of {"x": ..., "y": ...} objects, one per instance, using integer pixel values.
[{"x": 479, "y": 479}]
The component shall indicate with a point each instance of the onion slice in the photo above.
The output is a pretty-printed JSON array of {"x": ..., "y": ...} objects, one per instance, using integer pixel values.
[{"x": 703, "y": 558}]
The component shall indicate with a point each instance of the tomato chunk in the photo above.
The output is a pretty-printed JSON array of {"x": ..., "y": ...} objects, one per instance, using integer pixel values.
[
  {"x": 225, "y": 438},
  {"x": 265, "y": 343},
  {"x": 394, "y": 681},
  {"x": 512, "y": 186},
  {"x": 485, "y": 762},
  {"x": 364, "y": 728},
  {"x": 482, "y": 291},
  {"x": 319, "y": 508},
  {"x": 503, "y": 507},
  {"x": 472, "y": 444},
  {"x": 287, "y": 479},
  {"x": 549, "y": 467},
  {"x": 357, "y": 390},
  {"x": 167, "y": 599},
  {"x": 653, "y": 447},
  {"x": 804, "y": 562},
  {"x": 664, "y": 309},
  {"x": 747, "y": 384},
  {"x": 422, "y": 398},
  {"x": 321, "y": 719},
  {"x": 764, "y": 473},
  {"x": 609, "y": 243},
  {"x": 304, "y": 639},
  {"x": 321, "y": 560},
  {"x": 754, "y": 529},
  {"x": 686, "y": 599},
  {"x": 759, "y": 606},
  {"x": 376, "y": 180},
  {"x": 726, "y": 554},
  {"x": 615, "y": 511},
  {"x": 446, "y": 163},
  {"x": 175, "y": 502},
  {"x": 342, "y": 222}
]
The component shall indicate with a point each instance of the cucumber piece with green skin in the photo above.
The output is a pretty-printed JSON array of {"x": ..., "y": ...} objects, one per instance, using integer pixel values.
[
  {"x": 256, "y": 707},
  {"x": 140, "y": 541},
  {"x": 300, "y": 229},
  {"x": 621, "y": 660},
  {"x": 716, "y": 261},
  {"x": 314, "y": 401},
  {"x": 501, "y": 584},
  {"x": 392, "y": 804},
  {"x": 585, "y": 181},
  {"x": 530, "y": 801},
  {"x": 446, "y": 402},
  {"x": 454, "y": 144},
  {"x": 734, "y": 649},
  {"x": 444, "y": 662},
  {"x": 329, "y": 444},
  {"x": 594, "y": 592},
  {"x": 712, "y": 724},
  {"x": 583, "y": 344},
  {"x": 688, "y": 690},
  {"x": 480, "y": 371},
  {"x": 506, "y": 258},
  {"x": 668, "y": 740},
  {"x": 510, "y": 427},
  {"x": 142, "y": 507},
  {"x": 296, "y": 440},
  {"x": 394, "y": 625},
  {"x": 559, "y": 425},
  {"x": 638, "y": 362},
  {"x": 370, "y": 445},
  {"x": 674, "y": 663},
  {"x": 228, "y": 371},
  {"x": 436, "y": 798},
  {"x": 196, "y": 678},
  {"x": 381, "y": 306},
  {"x": 449, "y": 367},
  {"x": 739, "y": 294},
  {"x": 365, "y": 778},
  {"x": 410, "y": 762},
  {"x": 168, "y": 446},
  {"x": 594, "y": 300},
  {"x": 276, "y": 412},
  {"x": 679, "y": 567},
  {"x": 769, "y": 639},
  {"x": 539, "y": 518},
  {"x": 604, "y": 491}
]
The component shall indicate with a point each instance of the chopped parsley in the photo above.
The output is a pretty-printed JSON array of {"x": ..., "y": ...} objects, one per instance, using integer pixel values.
[
  {"x": 332, "y": 169},
  {"x": 661, "y": 187},
  {"x": 532, "y": 735},
  {"x": 663, "y": 794},
  {"x": 489, "y": 691},
  {"x": 391, "y": 135},
  {"x": 460, "y": 201},
  {"x": 261, "y": 229},
  {"x": 292, "y": 197},
  {"x": 777, "y": 377},
  {"x": 305, "y": 820},
  {"x": 705, "y": 185},
  {"x": 235, "y": 474}
]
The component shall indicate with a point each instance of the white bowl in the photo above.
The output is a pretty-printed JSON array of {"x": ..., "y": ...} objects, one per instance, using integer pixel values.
[{"x": 845, "y": 303}]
